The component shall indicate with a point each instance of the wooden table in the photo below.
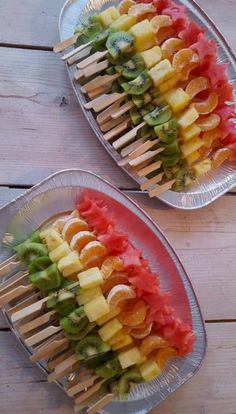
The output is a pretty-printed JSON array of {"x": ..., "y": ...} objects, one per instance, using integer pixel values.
[{"x": 43, "y": 130}]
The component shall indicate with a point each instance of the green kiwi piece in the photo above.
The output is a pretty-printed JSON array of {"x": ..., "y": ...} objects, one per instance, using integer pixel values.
[
  {"x": 35, "y": 238},
  {"x": 171, "y": 148},
  {"x": 64, "y": 302},
  {"x": 100, "y": 39},
  {"x": 90, "y": 346},
  {"x": 28, "y": 251},
  {"x": 159, "y": 116},
  {"x": 110, "y": 70},
  {"x": 47, "y": 279},
  {"x": 132, "y": 67},
  {"x": 139, "y": 85},
  {"x": 146, "y": 109},
  {"x": 169, "y": 160},
  {"x": 39, "y": 263},
  {"x": 119, "y": 43},
  {"x": 135, "y": 116},
  {"x": 138, "y": 101},
  {"x": 75, "y": 322},
  {"x": 116, "y": 87},
  {"x": 80, "y": 335},
  {"x": 183, "y": 177},
  {"x": 168, "y": 131},
  {"x": 95, "y": 362},
  {"x": 124, "y": 382},
  {"x": 108, "y": 369}
]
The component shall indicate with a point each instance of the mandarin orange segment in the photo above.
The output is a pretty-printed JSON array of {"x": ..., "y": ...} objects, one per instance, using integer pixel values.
[
  {"x": 184, "y": 61},
  {"x": 151, "y": 343},
  {"x": 80, "y": 240},
  {"x": 138, "y": 10},
  {"x": 134, "y": 316},
  {"x": 110, "y": 264},
  {"x": 197, "y": 85},
  {"x": 208, "y": 105},
  {"x": 92, "y": 253},
  {"x": 118, "y": 294},
  {"x": 210, "y": 136},
  {"x": 164, "y": 355},
  {"x": 158, "y": 22},
  {"x": 170, "y": 47},
  {"x": 141, "y": 332},
  {"x": 206, "y": 123},
  {"x": 204, "y": 152},
  {"x": 125, "y": 5},
  {"x": 72, "y": 227},
  {"x": 116, "y": 278},
  {"x": 220, "y": 156},
  {"x": 163, "y": 34}
]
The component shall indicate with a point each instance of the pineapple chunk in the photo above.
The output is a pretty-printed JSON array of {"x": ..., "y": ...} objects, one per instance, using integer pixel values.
[
  {"x": 202, "y": 167},
  {"x": 178, "y": 99},
  {"x": 96, "y": 308},
  {"x": 161, "y": 72},
  {"x": 44, "y": 233},
  {"x": 191, "y": 146},
  {"x": 90, "y": 278},
  {"x": 108, "y": 317},
  {"x": 191, "y": 158},
  {"x": 190, "y": 132},
  {"x": 110, "y": 329},
  {"x": 70, "y": 264},
  {"x": 129, "y": 357},
  {"x": 108, "y": 16},
  {"x": 188, "y": 118},
  {"x": 170, "y": 83},
  {"x": 127, "y": 340},
  {"x": 149, "y": 370},
  {"x": 144, "y": 35},
  {"x": 86, "y": 296},
  {"x": 124, "y": 22},
  {"x": 117, "y": 337},
  {"x": 152, "y": 56},
  {"x": 142, "y": 359},
  {"x": 53, "y": 240},
  {"x": 60, "y": 252}
]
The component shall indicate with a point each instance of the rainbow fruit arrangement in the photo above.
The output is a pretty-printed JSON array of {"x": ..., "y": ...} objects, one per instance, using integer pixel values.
[
  {"x": 106, "y": 300},
  {"x": 156, "y": 72}
]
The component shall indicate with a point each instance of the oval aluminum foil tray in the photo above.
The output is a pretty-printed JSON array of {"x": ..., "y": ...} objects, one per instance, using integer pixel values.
[
  {"x": 213, "y": 184},
  {"x": 58, "y": 194}
]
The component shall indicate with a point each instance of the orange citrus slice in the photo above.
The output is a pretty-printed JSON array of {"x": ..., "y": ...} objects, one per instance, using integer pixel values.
[
  {"x": 220, "y": 156},
  {"x": 134, "y": 316},
  {"x": 158, "y": 22},
  {"x": 151, "y": 343},
  {"x": 163, "y": 34},
  {"x": 197, "y": 85},
  {"x": 206, "y": 123},
  {"x": 73, "y": 226},
  {"x": 184, "y": 61},
  {"x": 125, "y": 5},
  {"x": 110, "y": 264},
  {"x": 209, "y": 137},
  {"x": 164, "y": 355},
  {"x": 92, "y": 252},
  {"x": 116, "y": 278},
  {"x": 208, "y": 105},
  {"x": 118, "y": 294},
  {"x": 80, "y": 240},
  {"x": 170, "y": 47},
  {"x": 141, "y": 332},
  {"x": 141, "y": 9}
]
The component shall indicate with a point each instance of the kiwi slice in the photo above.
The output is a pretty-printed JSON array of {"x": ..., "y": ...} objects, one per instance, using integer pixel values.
[
  {"x": 169, "y": 160},
  {"x": 183, "y": 177},
  {"x": 132, "y": 67},
  {"x": 35, "y": 238},
  {"x": 47, "y": 279},
  {"x": 119, "y": 43},
  {"x": 64, "y": 302},
  {"x": 28, "y": 251},
  {"x": 146, "y": 109},
  {"x": 139, "y": 85},
  {"x": 75, "y": 321},
  {"x": 110, "y": 70},
  {"x": 39, "y": 263},
  {"x": 109, "y": 369},
  {"x": 80, "y": 335},
  {"x": 159, "y": 116},
  {"x": 144, "y": 131},
  {"x": 100, "y": 39},
  {"x": 116, "y": 87},
  {"x": 138, "y": 101},
  {"x": 167, "y": 132},
  {"x": 97, "y": 361},
  {"x": 171, "y": 148},
  {"x": 125, "y": 381},
  {"x": 90, "y": 346},
  {"x": 135, "y": 116}
]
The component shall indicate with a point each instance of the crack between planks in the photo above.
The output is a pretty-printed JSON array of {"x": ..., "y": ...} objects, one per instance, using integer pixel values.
[{"x": 27, "y": 47}]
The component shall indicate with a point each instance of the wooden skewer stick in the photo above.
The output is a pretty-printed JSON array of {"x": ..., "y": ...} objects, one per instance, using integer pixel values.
[
  {"x": 91, "y": 391},
  {"x": 117, "y": 130},
  {"x": 149, "y": 169},
  {"x": 100, "y": 404},
  {"x": 86, "y": 73},
  {"x": 125, "y": 139},
  {"x": 56, "y": 361},
  {"x": 9, "y": 267},
  {"x": 67, "y": 366},
  {"x": 42, "y": 335},
  {"x": 123, "y": 109},
  {"x": 49, "y": 349},
  {"x": 15, "y": 293},
  {"x": 161, "y": 189},
  {"x": 56, "y": 376},
  {"x": 98, "y": 82},
  {"x": 91, "y": 60},
  {"x": 76, "y": 50},
  {"x": 88, "y": 382},
  {"x": 36, "y": 323},
  {"x": 23, "y": 304},
  {"x": 66, "y": 43},
  {"x": 144, "y": 157},
  {"x": 151, "y": 182},
  {"x": 78, "y": 56},
  {"x": 131, "y": 147},
  {"x": 104, "y": 101},
  {"x": 106, "y": 114},
  {"x": 13, "y": 282},
  {"x": 10, "y": 259},
  {"x": 98, "y": 92},
  {"x": 138, "y": 151},
  {"x": 107, "y": 126}
]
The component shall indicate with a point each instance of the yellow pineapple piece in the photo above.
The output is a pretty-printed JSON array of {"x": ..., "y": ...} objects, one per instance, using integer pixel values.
[
  {"x": 178, "y": 99},
  {"x": 124, "y": 22},
  {"x": 53, "y": 240},
  {"x": 87, "y": 295},
  {"x": 202, "y": 167},
  {"x": 129, "y": 357},
  {"x": 90, "y": 278},
  {"x": 117, "y": 337},
  {"x": 152, "y": 56},
  {"x": 149, "y": 370},
  {"x": 161, "y": 72},
  {"x": 127, "y": 340},
  {"x": 60, "y": 252},
  {"x": 144, "y": 35},
  {"x": 190, "y": 132},
  {"x": 112, "y": 314},
  {"x": 109, "y": 15},
  {"x": 70, "y": 264},
  {"x": 191, "y": 146},
  {"x": 142, "y": 359},
  {"x": 170, "y": 83},
  {"x": 188, "y": 118},
  {"x": 44, "y": 233},
  {"x": 96, "y": 308},
  {"x": 110, "y": 329},
  {"x": 191, "y": 158}
]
